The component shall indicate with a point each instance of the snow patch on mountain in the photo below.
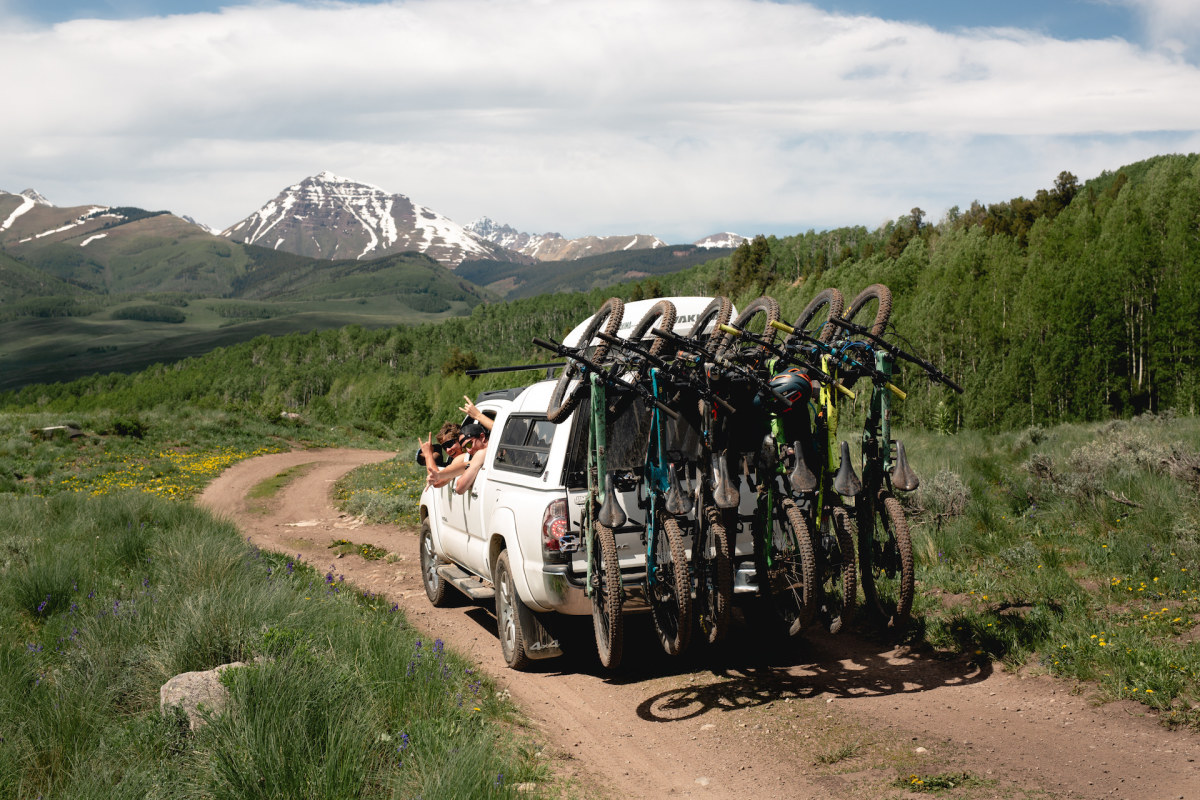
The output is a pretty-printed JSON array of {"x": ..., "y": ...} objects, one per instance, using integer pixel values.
[
  {"x": 555, "y": 247},
  {"x": 26, "y": 204},
  {"x": 721, "y": 240},
  {"x": 326, "y": 214}
]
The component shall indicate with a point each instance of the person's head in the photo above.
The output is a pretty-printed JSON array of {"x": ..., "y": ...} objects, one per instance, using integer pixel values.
[
  {"x": 448, "y": 438},
  {"x": 472, "y": 436}
]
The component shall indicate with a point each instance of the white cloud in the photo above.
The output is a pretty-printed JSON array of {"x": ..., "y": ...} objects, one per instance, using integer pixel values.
[
  {"x": 584, "y": 117},
  {"x": 1173, "y": 25}
]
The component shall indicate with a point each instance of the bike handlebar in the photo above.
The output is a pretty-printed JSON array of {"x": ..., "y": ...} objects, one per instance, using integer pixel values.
[
  {"x": 789, "y": 354},
  {"x": 609, "y": 378},
  {"x": 929, "y": 368}
]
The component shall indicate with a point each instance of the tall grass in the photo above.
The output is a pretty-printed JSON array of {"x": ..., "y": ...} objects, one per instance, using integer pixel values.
[
  {"x": 110, "y": 596},
  {"x": 166, "y": 451},
  {"x": 1074, "y": 549}
]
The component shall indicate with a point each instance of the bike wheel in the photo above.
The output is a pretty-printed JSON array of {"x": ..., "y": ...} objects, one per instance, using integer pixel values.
[
  {"x": 606, "y": 597},
  {"x": 661, "y": 315},
  {"x": 883, "y": 310},
  {"x": 787, "y": 574},
  {"x": 839, "y": 586},
  {"x": 714, "y": 314},
  {"x": 767, "y": 309},
  {"x": 570, "y": 389},
  {"x": 671, "y": 594},
  {"x": 885, "y": 559},
  {"x": 714, "y": 575},
  {"x": 833, "y": 302}
]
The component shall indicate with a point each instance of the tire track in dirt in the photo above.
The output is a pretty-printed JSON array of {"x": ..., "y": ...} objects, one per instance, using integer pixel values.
[{"x": 820, "y": 717}]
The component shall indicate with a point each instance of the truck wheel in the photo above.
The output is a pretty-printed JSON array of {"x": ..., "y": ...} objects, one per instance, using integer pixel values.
[
  {"x": 435, "y": 586},
  {"x": 512, "y": 638}
]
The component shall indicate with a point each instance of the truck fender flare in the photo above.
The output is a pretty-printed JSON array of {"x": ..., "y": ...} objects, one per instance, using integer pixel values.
[{"x": 504, "y": 537}]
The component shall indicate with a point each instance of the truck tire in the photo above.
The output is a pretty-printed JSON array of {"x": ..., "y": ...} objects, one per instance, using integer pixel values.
[
  {"x": 435, "y": 585},
  {"x": 508, "y": 620}
]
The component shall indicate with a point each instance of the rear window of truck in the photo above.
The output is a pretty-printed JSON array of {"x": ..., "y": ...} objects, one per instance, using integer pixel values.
[{"x": 525, "y": 444}]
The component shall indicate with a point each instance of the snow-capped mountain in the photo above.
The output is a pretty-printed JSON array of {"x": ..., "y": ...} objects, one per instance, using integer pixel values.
[
  {"x": 328, "y": 216},
  {"x": 37, "y": 197},
  {"x": 554, "y": 246},
  {"x": 721, "y": 240}
]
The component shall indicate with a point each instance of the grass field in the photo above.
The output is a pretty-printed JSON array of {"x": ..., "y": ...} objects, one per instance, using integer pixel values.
[
  {"x": 340, "y": 697},
  {"x": 114, "y": 582},
  {"x": 49, "y": 350},
  {"x": 1073, "y": 550}
]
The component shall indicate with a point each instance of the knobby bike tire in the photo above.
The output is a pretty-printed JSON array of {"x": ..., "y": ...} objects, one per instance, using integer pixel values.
[
  {"x": 789, "y": 587},
  {"x": 714, "y": 575},
  {"x": 717, "y": 312},
  {"x": 834, "y": 301},
  {"x": 607, "y": 619},
  {"x": 885, "y": 558},
  {"x": 570, "y": 389},
  {"x": 883, "y": 312},
  {"x": 671, "y": 596},
  {"x": 661, "y": 315},
  {"x": 768, "y": 309},
  {"x": 839, "y": 585}
]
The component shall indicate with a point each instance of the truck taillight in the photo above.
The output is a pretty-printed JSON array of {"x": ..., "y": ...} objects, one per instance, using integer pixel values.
[{"x": 554, "y": 526}]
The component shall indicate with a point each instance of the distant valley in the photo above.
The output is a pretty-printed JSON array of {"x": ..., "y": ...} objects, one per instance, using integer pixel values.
[{"x": 102, "y": 288}]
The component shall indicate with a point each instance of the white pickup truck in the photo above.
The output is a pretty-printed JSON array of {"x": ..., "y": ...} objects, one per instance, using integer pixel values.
[{"x": 515, "y": 535}]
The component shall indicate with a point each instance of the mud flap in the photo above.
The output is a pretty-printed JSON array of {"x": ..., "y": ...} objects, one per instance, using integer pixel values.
[{"x": 538, "y": 641}]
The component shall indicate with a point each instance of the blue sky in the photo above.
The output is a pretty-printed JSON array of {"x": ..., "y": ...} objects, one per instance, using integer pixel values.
[
  {"x": 1067, "y": 19},
  {"x": 678, "y": 118}
]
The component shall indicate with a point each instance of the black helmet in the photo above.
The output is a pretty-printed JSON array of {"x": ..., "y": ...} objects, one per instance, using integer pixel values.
[{"x": 793, "y": 385}]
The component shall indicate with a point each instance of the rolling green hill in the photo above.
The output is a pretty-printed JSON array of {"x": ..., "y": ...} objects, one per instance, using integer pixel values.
[
  {"x": 19, "y": 281},
  {"x": 518, "y": 280}
]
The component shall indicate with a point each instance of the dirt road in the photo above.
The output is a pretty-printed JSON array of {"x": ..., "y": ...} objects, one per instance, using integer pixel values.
[{"x": 823, "y": 717}]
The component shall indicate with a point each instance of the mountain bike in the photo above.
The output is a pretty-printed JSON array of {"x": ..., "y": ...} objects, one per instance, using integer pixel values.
[
  {"x": 785, "y": 562},
  {"x": 886, "y": 564},
  {"x": 818, "y": 478},
  {"x": 582, "y": 377},
  {"x": 715, "y": 496}
]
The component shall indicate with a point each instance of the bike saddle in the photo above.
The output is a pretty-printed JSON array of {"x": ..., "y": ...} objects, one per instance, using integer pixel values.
[
  {"x": 678, "y": 502},
  {"x": 903, "y": 477},
  {"x": 845, "y": 482},
  {"x": 725, "y": 491},
  {"x": 801, "y": 478},
  {"x": 611, "y": 515}
]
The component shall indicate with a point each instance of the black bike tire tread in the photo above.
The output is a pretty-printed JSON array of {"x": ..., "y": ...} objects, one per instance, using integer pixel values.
[
  {"x": 845, "y": 537},
  {"x": 661, "y": 315},
  {"x": 837, "y": 304},
  {"x": 883, "y": 313},
  {"x": 808, "y": 567},
  {"x": 907, "y": 565},
  {"x": 724, "y": 576},
  {"x": 563, "y": 400},
  {"x": 794, "y": 617},
  {"x": 719, "y": 310},
  {"x": 767, "y": 306},
  {"x": 674, "y": 643},
  {"x": 896, "y": 616},
  {"x": 610, "y": 644}
]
